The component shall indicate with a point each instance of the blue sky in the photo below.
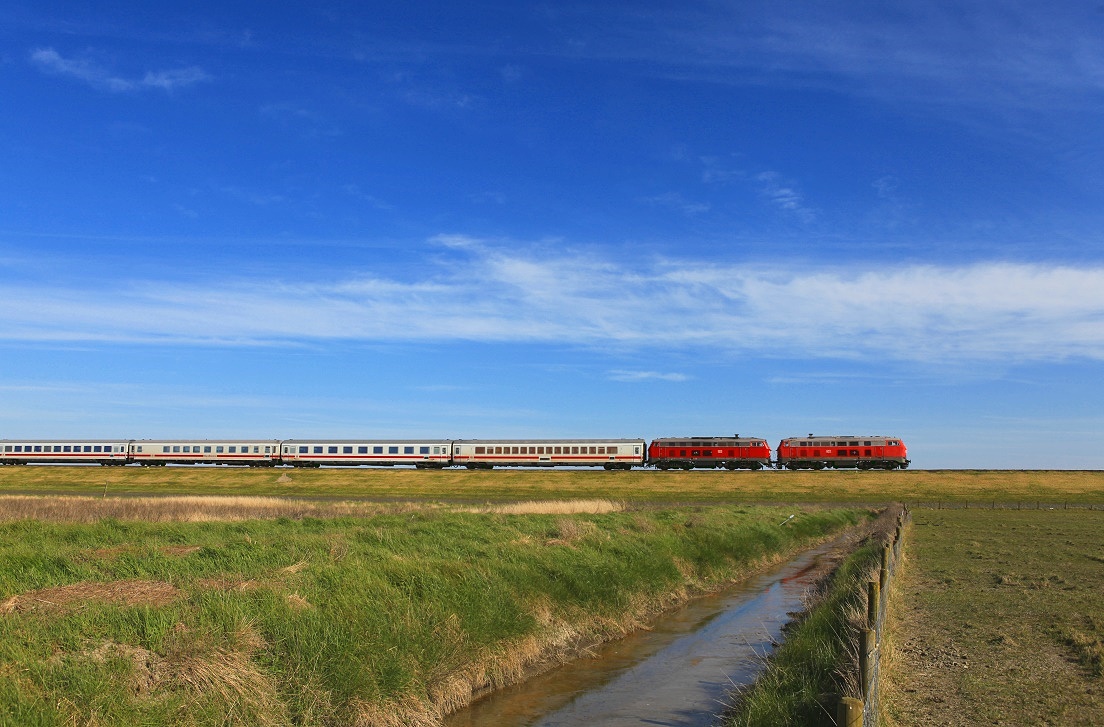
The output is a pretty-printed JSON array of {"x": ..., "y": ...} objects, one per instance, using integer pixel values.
[{"x": 527, "y": 219}]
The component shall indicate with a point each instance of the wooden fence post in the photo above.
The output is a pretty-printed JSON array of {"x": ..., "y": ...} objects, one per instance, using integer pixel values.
[
  {"x": 866, "y": 661},
  {"x": 849, "y": 713},
  {"x": 872, "y": 604}
]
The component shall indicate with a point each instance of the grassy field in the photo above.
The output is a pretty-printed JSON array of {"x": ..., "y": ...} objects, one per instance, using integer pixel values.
[
  {"x": 977, "y": 487},
  {"x": 373, "y": 619},
  {"x": 209, "y": 609},
  {"x": 999, "y": 619}
]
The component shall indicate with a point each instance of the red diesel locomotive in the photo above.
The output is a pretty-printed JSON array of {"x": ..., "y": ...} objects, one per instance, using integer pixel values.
[
  {"x": 842, "y": 450},
  {"x": 734, "y": 453}
]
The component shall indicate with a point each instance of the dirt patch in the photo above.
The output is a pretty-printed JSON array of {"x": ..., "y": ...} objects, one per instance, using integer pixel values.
[
  {"x": 145, "y": 665},
  {"x": 112, "y": 552},
  {"x": 77, "y": 595},
  {"x": 180, "y": 550}
]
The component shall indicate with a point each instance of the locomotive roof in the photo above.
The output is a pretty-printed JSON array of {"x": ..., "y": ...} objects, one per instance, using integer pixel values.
[
  {"x": 842, "y": 436},
  {"x": 712, "y": 438}
]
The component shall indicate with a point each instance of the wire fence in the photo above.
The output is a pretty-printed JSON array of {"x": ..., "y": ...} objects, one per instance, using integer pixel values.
[
  {"x": 856, "y": 712},
  {"x": 1004, "y": 505}
]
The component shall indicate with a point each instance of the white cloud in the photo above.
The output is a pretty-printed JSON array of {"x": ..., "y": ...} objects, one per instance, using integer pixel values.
[
  {"x": 549, "y": 294},
  {"x": 50, "y": 61},
  {"x": 637, "y": 376}
]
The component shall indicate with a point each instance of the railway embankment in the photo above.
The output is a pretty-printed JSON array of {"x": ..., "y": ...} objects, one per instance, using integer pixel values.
[{"x": 391, "y": 618}]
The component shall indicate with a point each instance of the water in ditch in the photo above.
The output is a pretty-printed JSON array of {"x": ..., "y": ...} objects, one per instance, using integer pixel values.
[{"x": 679, "y": 674}]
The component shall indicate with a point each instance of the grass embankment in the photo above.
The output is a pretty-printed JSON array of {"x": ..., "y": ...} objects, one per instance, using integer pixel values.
[
  {"x": 817, "y": 662},
  {"x": 977, "y": 487},
  {"x": 385, "y": 619},
  {"x": 999, "y": 619}
]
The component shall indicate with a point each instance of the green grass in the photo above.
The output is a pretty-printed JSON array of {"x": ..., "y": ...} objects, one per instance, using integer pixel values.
[
  {"x": 344, "y": 620},
  {"x": 1000, "y": 619}
]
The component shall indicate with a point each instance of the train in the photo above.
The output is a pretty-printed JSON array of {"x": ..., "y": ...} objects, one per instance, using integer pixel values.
[{"x": 687, "y": 453}]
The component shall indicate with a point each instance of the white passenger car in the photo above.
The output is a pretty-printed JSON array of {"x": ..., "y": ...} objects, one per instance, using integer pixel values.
[
  {"x": 422, "y": 453},
  {"x": 68, "y": 451},
  {"x": 252, "y": 452},
  {"x": 608, "y": 453}
]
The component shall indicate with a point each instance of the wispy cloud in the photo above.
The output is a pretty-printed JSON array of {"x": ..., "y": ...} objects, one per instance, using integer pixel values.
[
  {"x": 995, "y": 57},
  {"x": 784, "y": 196},
  {"x": 477, "y": 291},
  {"x": 639, "y": 376},
  {"x": 677, "y": 202},
  {"x": 50, "y": 61}
]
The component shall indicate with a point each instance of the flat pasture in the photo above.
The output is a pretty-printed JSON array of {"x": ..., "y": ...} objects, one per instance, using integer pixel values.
[
  {"x": 998, "y": 618},
  {"x": 976, "y": 488}
]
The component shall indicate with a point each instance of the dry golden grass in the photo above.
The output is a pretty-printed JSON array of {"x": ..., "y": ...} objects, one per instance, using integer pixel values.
[
  {"x": 74, "y": 596},
  {"x": 186, "y": 508},
  {"x": 977, "y": 486},
  {"x": 213, "y": 508},
  {"x": 552, "y": 507}
]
